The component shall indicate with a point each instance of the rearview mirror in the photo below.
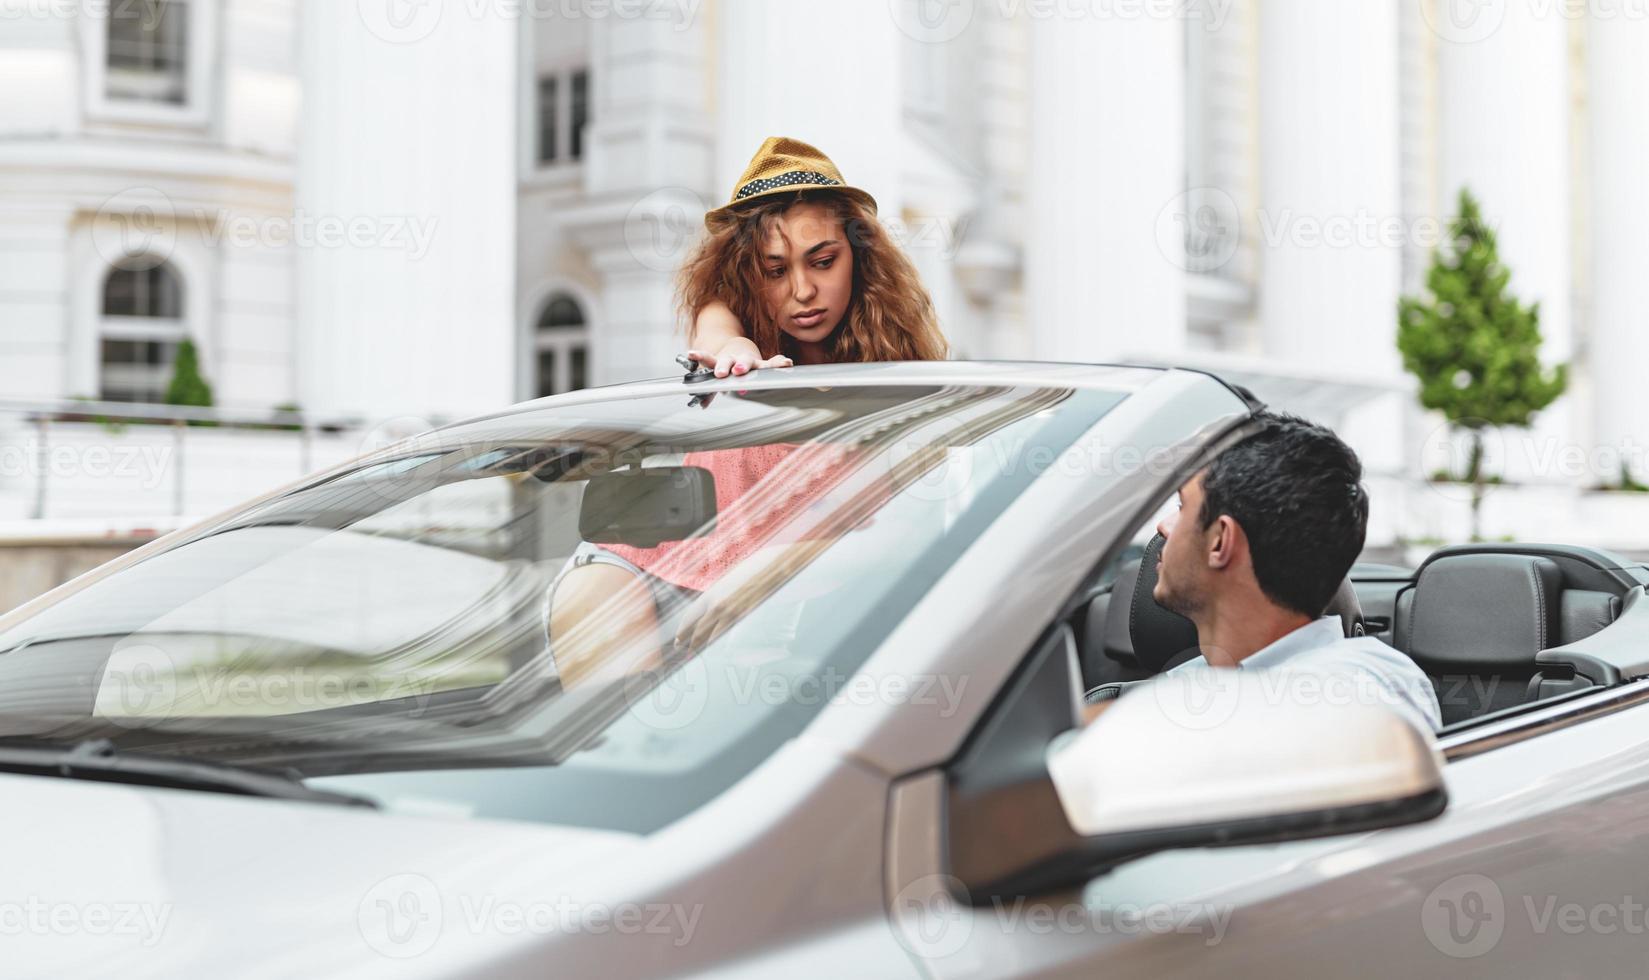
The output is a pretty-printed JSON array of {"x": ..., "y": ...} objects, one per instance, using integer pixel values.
[
  {"x": 644, "y": 508},
  {"x": 1223, "y": 757}
]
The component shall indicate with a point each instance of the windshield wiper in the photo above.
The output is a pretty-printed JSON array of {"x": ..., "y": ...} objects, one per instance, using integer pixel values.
[{"x": 99, "y": 761}]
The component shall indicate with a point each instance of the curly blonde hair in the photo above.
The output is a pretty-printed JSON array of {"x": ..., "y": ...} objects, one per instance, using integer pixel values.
[{"x": 889, "y": 318}]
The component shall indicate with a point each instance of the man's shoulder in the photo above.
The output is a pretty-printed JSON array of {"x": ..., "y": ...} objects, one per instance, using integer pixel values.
[
  {"x": 1363, "y": 651},
  {"x": 1367, "y": 647},
  {"x": 1352, "y": 667},
  {"x": 1370, "y": 657}
]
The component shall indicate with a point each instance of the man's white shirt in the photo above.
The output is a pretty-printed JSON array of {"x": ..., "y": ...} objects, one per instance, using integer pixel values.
[{"x": 1318, "y": 660}]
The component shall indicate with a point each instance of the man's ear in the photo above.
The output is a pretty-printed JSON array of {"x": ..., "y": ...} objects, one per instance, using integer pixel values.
[{"x": 1225, "y": 538}]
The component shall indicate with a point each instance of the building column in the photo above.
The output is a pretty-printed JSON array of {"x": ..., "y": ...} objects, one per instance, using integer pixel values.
[
  {"x": 1617, "y": 341},
  {"x": 646, "y": 185},
  {"x": 763, "y": 90},
  {"x": 1330, "y": 230},
  {"x": 1104, "y": 271},
  {"x": 40, "y": 63},
  {"x": 1503, "y": 131},
  {"x": 1503, "y": 121},
  {"x": 35, "y": 290},
  {"x": 407, "y": 178},
  {"x": 989, "y": 263}
]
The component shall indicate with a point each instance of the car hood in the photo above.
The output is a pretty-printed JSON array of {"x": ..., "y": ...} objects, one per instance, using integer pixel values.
[{"x": 103, "y": 878}]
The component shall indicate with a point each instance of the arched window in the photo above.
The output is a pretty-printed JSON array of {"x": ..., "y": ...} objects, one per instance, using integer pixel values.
[
  {"x": 147, "y": 52},
  {"x": 561, "y": 342},
  {"x": 141, "y": 327}
]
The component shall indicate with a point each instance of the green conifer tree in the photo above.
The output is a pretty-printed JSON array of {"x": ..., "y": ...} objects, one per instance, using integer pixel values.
[
  {"x": 187, "y": 386},
  {"x": 1473, "y": 346}
]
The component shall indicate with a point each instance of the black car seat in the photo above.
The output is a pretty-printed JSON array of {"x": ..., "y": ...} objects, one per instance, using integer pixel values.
[{"x": 1478, "y": 617}]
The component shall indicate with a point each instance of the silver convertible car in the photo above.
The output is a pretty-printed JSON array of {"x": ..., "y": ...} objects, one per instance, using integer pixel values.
[{"x": 782, "y": 676}]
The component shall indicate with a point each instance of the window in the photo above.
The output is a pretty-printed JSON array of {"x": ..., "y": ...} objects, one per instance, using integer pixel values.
[
  {"x": 563, "y": 112},
  {"x": 562, "y": 346},
  {"x": 546, "y": 119},
  {"x": 152, "y": 292},
  {"x": 147, "y": 52},
  {"x": 141, "y": 328},
  {"x": 580, "y": 113}
]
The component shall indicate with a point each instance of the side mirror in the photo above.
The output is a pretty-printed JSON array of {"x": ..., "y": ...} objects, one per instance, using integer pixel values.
[
  {"x": 1227, "y": 757},
  {"x": 1206, "y": 759},
  {"x": 647, "y": 507}
]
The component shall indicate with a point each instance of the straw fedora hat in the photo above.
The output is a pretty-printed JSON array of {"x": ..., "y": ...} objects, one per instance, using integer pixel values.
[{"x": 785, "y": 166}]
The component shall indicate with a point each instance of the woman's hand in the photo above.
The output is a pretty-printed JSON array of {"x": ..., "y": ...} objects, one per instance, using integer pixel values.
[
  {"x": 719, "y": 344},
  {"x": 738, "y": 357}
]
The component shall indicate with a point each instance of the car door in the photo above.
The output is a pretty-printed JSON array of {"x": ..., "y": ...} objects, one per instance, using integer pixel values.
[{"x": 1536, "y": 868}]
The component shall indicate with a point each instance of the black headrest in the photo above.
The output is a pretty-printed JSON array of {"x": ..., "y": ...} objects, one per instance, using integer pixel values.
[
  {"x": 1159, "y": 636},
  {"x": 1482, "y": 610},
  {"x": 1119, "y": 640},
  {"x": 1158, "y": 639},
  {"x": 1348, "y": 607}
]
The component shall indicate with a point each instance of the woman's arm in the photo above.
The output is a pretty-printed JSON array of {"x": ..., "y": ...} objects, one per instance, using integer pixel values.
[{"x": 717, "y": 341}]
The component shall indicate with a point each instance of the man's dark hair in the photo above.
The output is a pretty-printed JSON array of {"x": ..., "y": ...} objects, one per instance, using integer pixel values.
[{"x": 1296, "y": 490}]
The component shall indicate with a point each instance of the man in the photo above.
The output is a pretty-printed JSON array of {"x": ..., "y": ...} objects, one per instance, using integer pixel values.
[{"x": 1260, "y": 543}]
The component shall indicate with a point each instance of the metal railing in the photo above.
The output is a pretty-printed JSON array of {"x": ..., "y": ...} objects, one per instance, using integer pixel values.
[{"x": 42, "y": 415}]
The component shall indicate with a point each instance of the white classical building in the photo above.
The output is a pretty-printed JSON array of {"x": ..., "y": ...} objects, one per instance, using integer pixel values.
[{"x": 427, "y": 208}]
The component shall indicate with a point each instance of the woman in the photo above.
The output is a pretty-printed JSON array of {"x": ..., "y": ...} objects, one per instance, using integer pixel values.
[
  {"x": 859, "y": 299},
  {"x": 799, "y": 258}
]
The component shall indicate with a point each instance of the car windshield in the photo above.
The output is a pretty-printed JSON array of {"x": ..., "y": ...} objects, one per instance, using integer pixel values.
[{"x": 386, "y": 630}]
